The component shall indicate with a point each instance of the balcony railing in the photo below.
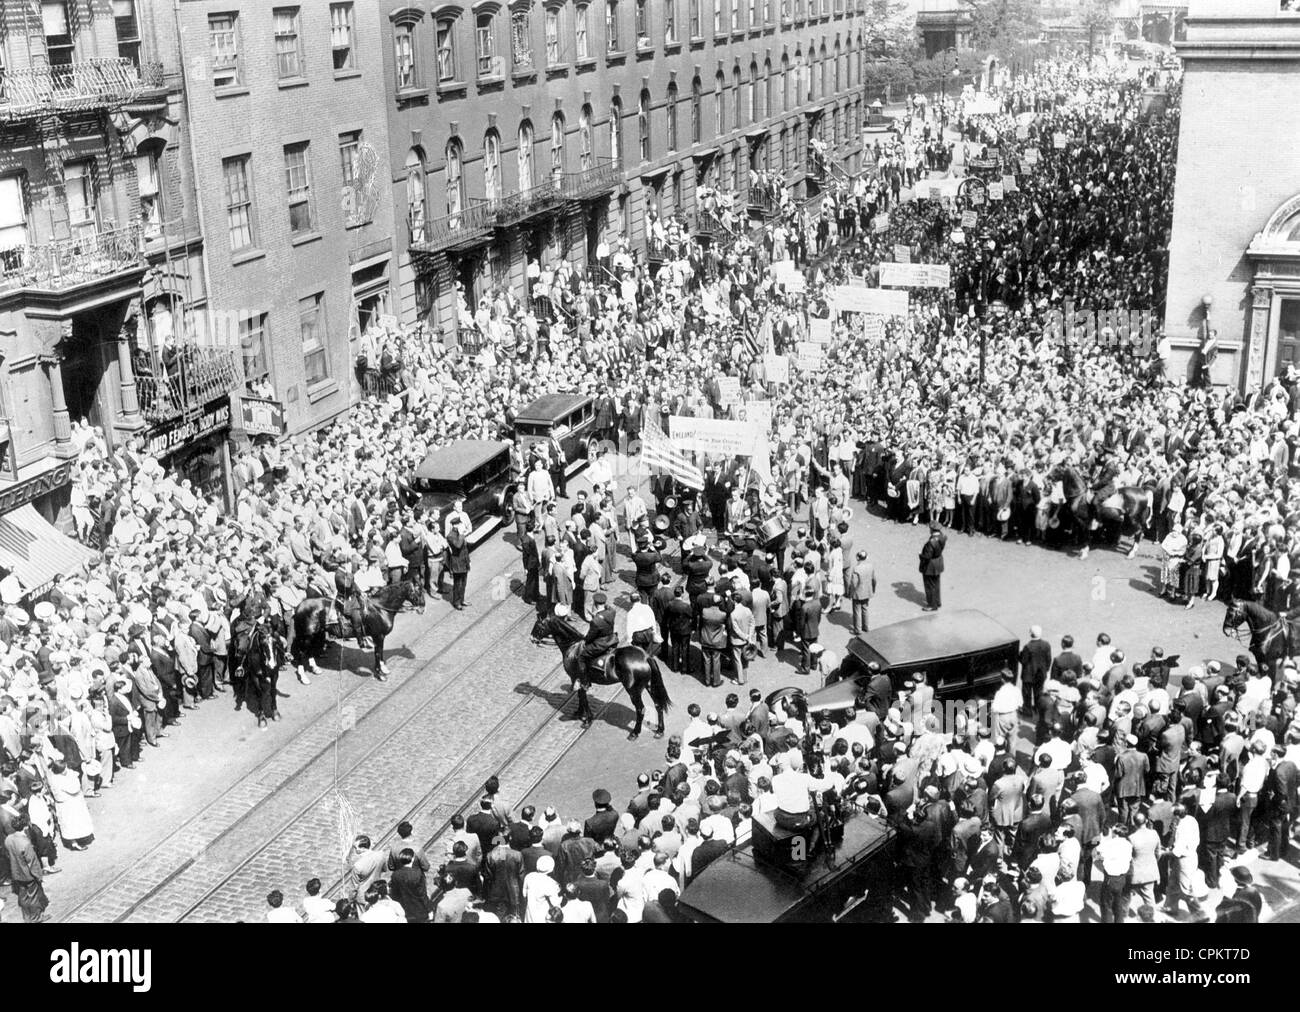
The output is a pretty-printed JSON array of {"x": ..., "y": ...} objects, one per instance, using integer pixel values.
[
  {"x": 66, "y": 263},
  {"x": 602, "y": 177},
  {"x": 472, "y": 222},
  {"x": 516, "y": 207},
  {"x": 92, "y": 84},
  {"x": 183, "y": 379}
]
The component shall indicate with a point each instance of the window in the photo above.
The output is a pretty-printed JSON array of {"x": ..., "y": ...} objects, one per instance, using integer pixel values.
[
  {"x": 288, "y": 43},
  {"x": 446, "y": 41},
  {"x": 492, "y": 165},
  {"x": 720, "y": 104},
  {"x": 148, "y": 175},
  {"x": 417, "y": 205},
  {"x": 717, "y": 16},
  {"x": 695, "y": 18},
  {"x": 643, "y": 125},
  {"x": 311, "y": 328},
  {"x": 557, "y": 149},
  {"x": 239, "y": 204},
  {"x": 521, "y": 40},
  {"x": 455, "y": 180},
  {"x": 404, "y": 54},
  {"x": 785, "y": 83},
  {"x": 695, "y": 111},
  {"x": 585, "y": 152},
  {"x": 735, "y": 16},
  {"x": 616, "y": 131},
  {"x": 672, "y": 117},
  {"x": 223, "y": 41},
  {"x": 580, "y": 32},
  {"x": 297, "y": 179},
  {"x": 753, "y": 14},
  {"x": 767, "y": 88},
  {"x": 252, "y": 344},
  {"x": 128, "y": 31},
  {"x": 785, "y": 10},
  {"x": 341, "y": 37},
  {"x": 79, "y": 186},
  {"x": 670, "y": 21},
  {"x": 524, "y": 156},
  {"x": 767, "y": 12},
  {"x": 735, "y": 170},
  {"x": 835, "y": 79},
  {"x": 485, "y": 46},
  {"x": 13, "y": 214},
  {"x": 58, "y": 36},
  {"x": 642, "y": 25},
  {"x": 553, "y": 37},
  {"x": 737, "y": 99},
  {"x": 611, "y": 26},
  {"x": 356, "y": 208}
]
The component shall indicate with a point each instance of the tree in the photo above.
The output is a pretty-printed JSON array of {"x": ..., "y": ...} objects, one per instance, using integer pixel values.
[
  {"x": 1000, "y": 25},
  {"x": 1099, "y": 20},
  {"x": 889, "y": 28}
]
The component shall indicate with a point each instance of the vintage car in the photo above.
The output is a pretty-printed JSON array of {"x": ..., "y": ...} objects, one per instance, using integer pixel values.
[
  {"x": 570, "y": 418},
  {"x": 475, "y": 470}
]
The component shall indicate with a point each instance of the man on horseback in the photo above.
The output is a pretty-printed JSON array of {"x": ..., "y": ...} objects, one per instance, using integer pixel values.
[
  {"x": 1103, "y": 481},
  {"x": 601, "y": 639},
  {"x": 348, "y": 602}
]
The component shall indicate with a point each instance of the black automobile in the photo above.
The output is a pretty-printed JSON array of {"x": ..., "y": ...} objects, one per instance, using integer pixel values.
[
  {"x": 570, "y": 418},
  {"x": 474, "y": 470}
]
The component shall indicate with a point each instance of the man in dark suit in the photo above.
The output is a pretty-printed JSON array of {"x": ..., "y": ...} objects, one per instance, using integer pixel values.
[
  {"x": 457, "y": 564},
  {"x": 1035, "y": 662},
  {"x": 1281, "y": 787},
  {"x": 483, "y": 824},
  {"x": 1066, "y": 660},
  {"x": 407, "y": 886},
  {"x": 646, "y": 560},
  {"x": 808, "y": 626},
  {"x": 1216, "y": 826},
  {"x": 600, "y": 825},
  {"x": 601, "y": 637},
  {"x": 659, "y": 599},
  {"x": 932, "y": 567},
  {"x": 680, "y": 620}
]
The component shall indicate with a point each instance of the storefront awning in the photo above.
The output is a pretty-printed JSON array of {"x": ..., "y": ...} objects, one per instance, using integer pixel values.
[{"x": 35, "y": 552}]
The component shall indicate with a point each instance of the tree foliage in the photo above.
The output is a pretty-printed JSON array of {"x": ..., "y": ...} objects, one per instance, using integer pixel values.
[
  {"x": 890, "y": 29},
  {"x": 1000, "y": 25}
]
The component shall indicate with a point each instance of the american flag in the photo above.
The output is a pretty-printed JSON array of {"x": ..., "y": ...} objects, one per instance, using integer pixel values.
[{"x": 657, "y": 450}]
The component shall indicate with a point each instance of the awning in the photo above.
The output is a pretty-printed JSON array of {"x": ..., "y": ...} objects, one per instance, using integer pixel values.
[{"x": 35, "y": 552}]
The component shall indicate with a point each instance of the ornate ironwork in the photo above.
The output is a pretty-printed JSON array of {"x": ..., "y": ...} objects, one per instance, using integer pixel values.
[{"x": 65, "y": 263}]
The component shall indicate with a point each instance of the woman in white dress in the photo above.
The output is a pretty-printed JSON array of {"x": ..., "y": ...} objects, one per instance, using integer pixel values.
[
  {"x": 835, "y": 574},
  {"x": 70, "y": 807}
]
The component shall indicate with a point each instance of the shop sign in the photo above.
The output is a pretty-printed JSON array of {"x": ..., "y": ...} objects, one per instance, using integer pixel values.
[
  {"x": 258, "y": 416},
  {"x": 168, "y": 437}
]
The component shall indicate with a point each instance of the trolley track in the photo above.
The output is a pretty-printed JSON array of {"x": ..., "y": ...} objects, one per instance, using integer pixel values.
[{"x": 418, "y": 666}]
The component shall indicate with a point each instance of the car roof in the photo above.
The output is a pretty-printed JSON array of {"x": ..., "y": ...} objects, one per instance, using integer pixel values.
[
  {"x": 550, "y": 407},
  {"x": 931, "y": 637},
  {"x": 459, "y": 458},
  {"x": 738, "y": 889}
]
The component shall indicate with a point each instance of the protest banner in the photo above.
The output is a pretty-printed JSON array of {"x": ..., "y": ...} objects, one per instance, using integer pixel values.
[
  {"x": 873, "y": 327},
  {"x": 716, "y": 436},
  {"x": 914, "y": 275},
  {"x": 877, "y": 301},
  {"x": 776, "y": 368},
  {"x": 728, "y": 389},
  {"x": 819, "y": 331},
  {"x": 1031, "y": 156},
  {"x": 969, "y": 219},
  {"x": 1009, "y": 184},
  {"x": 880, "y": 223},
  {"x": 1059, "y": 141},
  {"x": 757, "y": 413},
  {"x": 902, "y": 253},
  {"x": 958, "y": 236},
  {"x": 809, "y": 357},
  {"x": 995, "y": 191}
]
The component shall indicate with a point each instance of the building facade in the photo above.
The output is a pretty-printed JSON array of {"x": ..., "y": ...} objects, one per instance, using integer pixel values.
[
  {"x": 542, "y": 130},
  {"x": 287, "y": 107},
  {"x": 1234, "y": 258},
  {"x": 95, "y": 202}
]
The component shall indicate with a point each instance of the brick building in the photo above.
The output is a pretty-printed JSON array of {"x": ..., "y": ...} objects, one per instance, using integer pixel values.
[
  {"x": 1236, "y": 225},
  {"x": 287, "y": 105},
  {"x": 544, "y": 128},
  {"x": 95, "y": 230}
]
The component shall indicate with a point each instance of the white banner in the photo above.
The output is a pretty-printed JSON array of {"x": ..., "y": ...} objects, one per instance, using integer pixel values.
[
  {"x": 969, "y": 219},
  {"x": 757, "y": 413},
  {"x": 1030, "y": 156},
  {"x": 876, "y": 301},
  {"x": 819, "y": 331},
  {"x": 902, "y": 254},
  {"x": 983, "y": 105},
  {"x": 995, "y": 191},
  {"x": 776, "y": 368},
  {"x": 728, "y": 390},
  {"x": 809, "y": 357},
  {"x": 873, "y": 327},
  {"x": 1009, "y": 184},
  {"x": 915, "y": 275},
  {"x": 880, "y": 222},
  {"x": 715, "y": 436}
]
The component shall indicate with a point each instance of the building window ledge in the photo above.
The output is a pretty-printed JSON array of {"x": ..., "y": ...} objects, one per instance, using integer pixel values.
[
  {"x": 321, "y": 389},
  {"x": 232, "y": 91},
  {"x": 448, "y": 89},
  {"x": 697, "y": 43},
  {"x": 618, "y": 56},
  {"x": 557, "y": 70},
  {"x": 737, "y": 34},
  {"x": 672, "y": 47},
  {"x": 305, "y": 238},
  {"x": 586, "y": 63},
  {"x": 720, "y": 39},
  {"x": 246, "y": 256},
  {"x": 491, "y": 82},
  {"x": 411, "y": 94},
  {"x": 347, "y": 75},
  {"x": 644, "y": 51},
  {"x": 524, "y": 76},
  {"x": 291, "y": 82}
]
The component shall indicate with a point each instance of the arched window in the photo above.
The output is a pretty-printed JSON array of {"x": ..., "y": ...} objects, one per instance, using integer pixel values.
[
  {"x": 837, "y": 66},
  {"x": 695, "y": 110},
  {"x": 585, "y": 151},
  {"x": 737, "y": 100},
  {"x": 417, "y": 205},
  {"x": 616, "y": 131},
  {"x": 767, "y": 88},
  {"x": 825, "y": 83},
  {"x": 524, "y": 157},
  {"x": 785, "y": 83},
  {"x": 557, "y": 149},
  {"x": 492, "y": 165},
  {"x": 455, "y": 181},
  {"x": 720, "y": 103},
  {"x": 755, "y": 114},
  {"x": 643, "y": 125},
  {"x": 672, "y": 117}
]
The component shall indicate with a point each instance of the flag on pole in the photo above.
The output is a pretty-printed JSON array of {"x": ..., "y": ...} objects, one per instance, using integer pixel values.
[{"x": 657, "y": 450}]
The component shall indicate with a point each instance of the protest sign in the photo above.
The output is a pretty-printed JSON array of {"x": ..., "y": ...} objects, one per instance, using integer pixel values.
[
  {"x": 914, "y": 275},
  {"x": 713, "y": 435},
  {"x": 880, "y": 222},
  {"x": 809, "y": 357},
  {"x": 728, "y": 389},
  {"x": 995, "y": 191},
  {"x": 902, "y": 253},
  {"x": 958, "y": 236},
  {"x": 879, "y": 301},
  {"x": 1059, "y": 141},
  {"x": 819, "y": 331},
  {"x": 776, "y": 368},
  {"x": 969, "y": 219},
  {"x": 1009, "y": 184},
  {"x": 1031, "y": 156}
]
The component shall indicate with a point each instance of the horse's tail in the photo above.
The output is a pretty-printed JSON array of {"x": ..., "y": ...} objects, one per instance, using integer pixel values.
[{"x": 658, "y": 690}]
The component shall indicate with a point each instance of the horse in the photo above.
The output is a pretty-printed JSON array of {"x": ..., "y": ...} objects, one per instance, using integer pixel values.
[
  {"x": 1129, "y": 509},
  {"x": 1271, "y": 634},
  {"x": 314, "y": 618},
  {"x": 630, "y": 667},
  {"x": 260, "y": 659}
]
